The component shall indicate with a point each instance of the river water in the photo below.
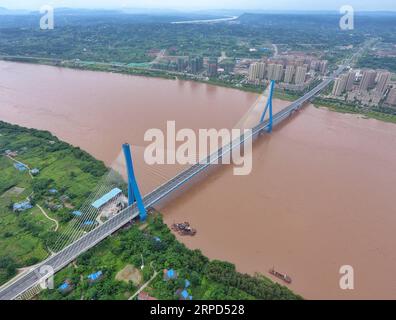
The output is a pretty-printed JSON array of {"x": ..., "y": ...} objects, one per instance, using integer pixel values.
[{"x": 320, "y": 196}]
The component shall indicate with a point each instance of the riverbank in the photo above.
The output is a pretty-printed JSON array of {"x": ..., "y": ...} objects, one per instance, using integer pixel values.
[
  {"x": 49, "y": 176},
  {"x": 353, "y": 109},
  {"x": 155, "y": 250},
  {"x": 140, "y": 71},
  {"x": 137, "y": 71},
  {"x": 63, "y": 174},
  {"x": 309, "y": 180}
]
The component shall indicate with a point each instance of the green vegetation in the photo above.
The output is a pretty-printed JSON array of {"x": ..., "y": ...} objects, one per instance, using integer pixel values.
[
  {"x": 382, "y": 114},
  {"x": 373, "y": 62},
  {"x": 119, "y": 38},
  {"x": 24, "y": 236},
  {"x": 159, "y": 249},
  {"x": 115, "y": 42},
  {"x": 118, "y": 42},
  {"x": 131, "y": 38}
]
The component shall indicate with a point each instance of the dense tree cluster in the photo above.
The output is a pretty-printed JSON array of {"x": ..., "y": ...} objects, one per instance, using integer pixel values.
[
  {"x": 8, "y": 268},
  {"x": 27, "y": 236},
  {"x": 129, "y": 38},
  {"x": 160, "y": 250}
]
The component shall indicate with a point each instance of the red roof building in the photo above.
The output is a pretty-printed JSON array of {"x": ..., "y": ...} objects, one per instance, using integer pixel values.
[{"x": 145, "y": 296}]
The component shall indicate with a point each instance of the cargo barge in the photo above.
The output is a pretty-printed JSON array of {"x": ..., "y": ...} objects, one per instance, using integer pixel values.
[{"x": 282, "y": 276}]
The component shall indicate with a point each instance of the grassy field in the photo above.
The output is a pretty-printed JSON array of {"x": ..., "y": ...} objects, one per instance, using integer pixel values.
[{"x": 24, "y": 236}]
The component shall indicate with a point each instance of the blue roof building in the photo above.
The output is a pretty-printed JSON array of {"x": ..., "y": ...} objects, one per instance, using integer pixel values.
[
  {"x": 183, "y": 294},
  {"x": 186, "y": 283},
  {"x": 77, "y": 213},
  {"x": 53, "y": 191},
  {"x": 66, "y": 287},
  {"x": 170, "y": 274},
  {"x": 89, "y": 223},
  {"x": 106, "y": 198},
  {"x": 20, "y": 167},
  {"x": 95, "y": 276},
  {"x": 22, "y": 206}
]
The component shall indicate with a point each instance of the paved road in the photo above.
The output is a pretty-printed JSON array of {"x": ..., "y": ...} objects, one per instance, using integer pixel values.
[{"x": 58, "y": 261}]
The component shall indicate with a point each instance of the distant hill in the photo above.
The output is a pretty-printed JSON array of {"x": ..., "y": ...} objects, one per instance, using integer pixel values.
[{"x": 5, "y": 11}]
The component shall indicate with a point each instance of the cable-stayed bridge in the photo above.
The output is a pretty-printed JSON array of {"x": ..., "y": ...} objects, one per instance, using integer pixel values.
[{"x": 30, "y": 280}]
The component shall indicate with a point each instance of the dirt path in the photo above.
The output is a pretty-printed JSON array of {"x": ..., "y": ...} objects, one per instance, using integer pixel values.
[
  {"x": 21, "y": 164},
  {"x": 38, "y": 206},
  {"x": 48, "y": 217},
  {"x": 145, "y": 285}
]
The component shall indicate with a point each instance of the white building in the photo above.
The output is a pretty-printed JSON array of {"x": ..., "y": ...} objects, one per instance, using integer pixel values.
[
  {"x": 289, "y": 73},
  {"x": 383, "y": 79},
  {"x": 301, "y": 73}
]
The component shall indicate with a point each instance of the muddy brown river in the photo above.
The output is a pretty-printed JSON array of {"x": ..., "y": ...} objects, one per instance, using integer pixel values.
[{"x": 321, "y": 194}]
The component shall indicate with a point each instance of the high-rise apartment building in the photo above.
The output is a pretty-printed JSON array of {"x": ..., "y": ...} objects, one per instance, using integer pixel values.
[
  {"x": 275, "y": 72},
  {"x": 323, "y": 66},
  {"x": 256, "y": 71},
  {"x": 213, "y": 66},
  {"x": 368, "y": 80},
  {"x": 391, "y": 99},
  {"x": 383, "y": 79},
  {"x": 340, "y": 85},
  {"x": 289, "y": 73},
  {"x": 350, "y": 80},
  {"x": 301, "y": 73},
  {"x": 196, "y": 64},
  {"x": 278, "y": 72}
]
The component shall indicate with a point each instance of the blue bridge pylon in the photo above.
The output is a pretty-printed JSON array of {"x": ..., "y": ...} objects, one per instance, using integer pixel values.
[
  {"x": 133, "y": 189},
  {"x": 268, "y": 106}
]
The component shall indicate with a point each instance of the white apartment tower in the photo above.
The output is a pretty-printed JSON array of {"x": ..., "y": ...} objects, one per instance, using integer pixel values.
[
  {"x": 289, "y": 73},
  {"x": 301, "y": 73},
  {"x": 368, "y": 80},
  {"x": 383, "y": 79},
  {"x": 340, "y": 85},
  {"x": 256, "y": 71}
]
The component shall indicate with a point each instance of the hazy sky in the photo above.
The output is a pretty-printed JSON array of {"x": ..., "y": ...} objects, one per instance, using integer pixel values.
[{"x": 207, "y": 4}]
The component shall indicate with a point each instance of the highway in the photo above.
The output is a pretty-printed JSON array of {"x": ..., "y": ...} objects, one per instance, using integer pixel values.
[{"x": 14, "y": 289}]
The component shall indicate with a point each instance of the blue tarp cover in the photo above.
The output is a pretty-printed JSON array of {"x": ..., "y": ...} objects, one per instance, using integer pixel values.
[
  {"x": 171, "y": 274},
  {"x": 19, "y": 166},
  {"x": 184, "y": 294},
  {"x": 95, "y": 276},
  {"x": 64, "y": 286},
  {"x": 26, "y": 205},
  {"x": 106, "y": 198}
]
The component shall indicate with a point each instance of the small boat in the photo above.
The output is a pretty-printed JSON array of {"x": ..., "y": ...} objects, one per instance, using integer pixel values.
[
  {"x": 281, "y": 276},
  {"x": 183, "y": 229}
]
